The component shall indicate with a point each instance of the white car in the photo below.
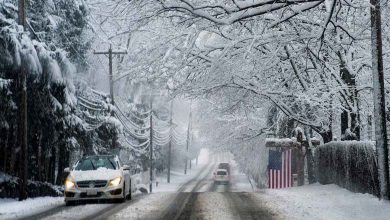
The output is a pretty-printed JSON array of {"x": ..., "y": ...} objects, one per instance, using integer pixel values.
[
  {"x": 221, "y": 176},
  {"x": 96, "y": 178}
]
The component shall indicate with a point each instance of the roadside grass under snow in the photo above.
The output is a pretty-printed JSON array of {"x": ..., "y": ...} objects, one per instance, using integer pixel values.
[{"x": 318, "y": 201}]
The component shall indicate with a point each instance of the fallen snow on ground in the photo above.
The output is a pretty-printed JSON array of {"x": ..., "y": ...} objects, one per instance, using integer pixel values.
[
  {"x": 12, "y": 208},
  {"x": 324, "y": 202}
]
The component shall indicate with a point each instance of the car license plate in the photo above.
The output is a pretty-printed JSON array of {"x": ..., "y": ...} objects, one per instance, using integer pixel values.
[{"x": 91, "y": 192}]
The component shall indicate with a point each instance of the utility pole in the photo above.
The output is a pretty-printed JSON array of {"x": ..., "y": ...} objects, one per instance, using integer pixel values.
[
  {"x": 170, "y": 143},
  {"x": 151, "y": 145},
  {"x": 110, "y": 53},
  {"x": 379, "y": 99},
  {"x": 192, "y": 137},
  {"x": 188, "y": 140},
  {"x": 23, "y": 111}
]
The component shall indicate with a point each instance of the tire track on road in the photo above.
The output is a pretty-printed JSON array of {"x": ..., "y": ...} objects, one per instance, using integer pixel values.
[
  {"x": 107, "y": 212},
  {"x": 183, "y": 204},
  {"x": 245, "y": 207},
  {"x": 46, "y": 213}
]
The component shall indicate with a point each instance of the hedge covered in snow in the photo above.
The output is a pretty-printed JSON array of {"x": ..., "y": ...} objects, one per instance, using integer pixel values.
[{"x": 349, "y": 164}]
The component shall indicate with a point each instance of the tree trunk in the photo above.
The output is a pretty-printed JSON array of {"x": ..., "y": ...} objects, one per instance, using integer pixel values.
[
  {"x": 300, "y": 160},
  {"x": 61, "y": 163},
  {"x": 379, "y": 99},
  {"x": 309, "y": 157},
  {"x": 39, "y": 157},
  {"x": 5, "y": 150},
  {"x": 326, "y": 136},
  {"x": 13, "y": 151},
  {"x": 52, "y": 165},
  {"x": 349, "y": 119}
]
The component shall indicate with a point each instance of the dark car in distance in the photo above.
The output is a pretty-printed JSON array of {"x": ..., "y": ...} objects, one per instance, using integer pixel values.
[{"x": 225, "y": 166}]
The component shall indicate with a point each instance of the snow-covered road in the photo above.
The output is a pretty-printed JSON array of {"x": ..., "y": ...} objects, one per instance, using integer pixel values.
[
  {"x": 190, "y": 196},
  {"x": 200, "y": 198},
  {"x": 195, "y": 196}
]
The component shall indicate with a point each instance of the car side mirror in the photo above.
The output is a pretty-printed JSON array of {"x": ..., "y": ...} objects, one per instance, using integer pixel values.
[
  {"x": 67, "y": 170},
  {"x": 126, "y": 167}
]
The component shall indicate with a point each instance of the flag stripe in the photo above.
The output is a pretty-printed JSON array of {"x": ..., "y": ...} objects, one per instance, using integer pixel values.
[
  {"x": 279, "y": 176},
  {"x": 284, "y": 170},
  {"x": 289, "y": 170}
]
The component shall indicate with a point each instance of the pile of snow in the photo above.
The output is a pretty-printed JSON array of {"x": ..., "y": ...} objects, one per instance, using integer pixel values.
[
  {"x": 12, "y": 208},
  {"x": 324, "y": 202}
]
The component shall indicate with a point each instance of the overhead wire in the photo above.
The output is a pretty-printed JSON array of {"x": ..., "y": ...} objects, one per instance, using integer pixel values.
[{"x": 163, "y": 132}]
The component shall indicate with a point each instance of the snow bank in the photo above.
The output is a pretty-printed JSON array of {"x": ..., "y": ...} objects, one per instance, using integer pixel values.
[
  {"x": 324, "y": 202},
  {"x": 12, "y": 208}
]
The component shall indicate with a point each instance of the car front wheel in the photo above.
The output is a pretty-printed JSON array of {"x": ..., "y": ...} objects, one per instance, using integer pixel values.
[
  {"x": 129, "y": 196},
  {"x": 124, "y": 193},
  {"x": 120, "y": 200}
]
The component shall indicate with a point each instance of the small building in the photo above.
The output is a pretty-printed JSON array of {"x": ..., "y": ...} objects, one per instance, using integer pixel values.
[{"x": 286, "y": 161}]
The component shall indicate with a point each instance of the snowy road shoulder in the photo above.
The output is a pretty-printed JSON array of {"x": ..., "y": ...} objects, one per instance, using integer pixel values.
[
  {"x": 179, "y": 179},
  {"x": 12, "y": 208},
  {"x": 324, "y": 202}
]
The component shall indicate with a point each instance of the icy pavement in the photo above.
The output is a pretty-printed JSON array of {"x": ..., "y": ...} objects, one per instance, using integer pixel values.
[
  {"x": 324, "y": 202},
  {"x": 12, "y": 208}
]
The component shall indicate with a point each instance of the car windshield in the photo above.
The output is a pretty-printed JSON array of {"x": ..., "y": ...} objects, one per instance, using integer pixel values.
[
  {"x": 221, "y": 173},
  {"x": 223, "y": 165},
  {"x": 95, "y": 163}
]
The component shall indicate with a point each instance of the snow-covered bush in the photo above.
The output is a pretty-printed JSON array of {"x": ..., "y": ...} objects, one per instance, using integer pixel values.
[
  {"x": 9, "y": 188},
  {"x": 349, "y": 164}
]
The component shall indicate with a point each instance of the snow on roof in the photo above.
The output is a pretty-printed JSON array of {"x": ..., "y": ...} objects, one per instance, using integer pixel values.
[{"x": 281, "y": 142}]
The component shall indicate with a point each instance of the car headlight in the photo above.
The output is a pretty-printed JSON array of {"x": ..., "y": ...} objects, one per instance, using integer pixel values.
[
  {"x": 116, "y": 181},
  {"x": 69, "y": 184}
]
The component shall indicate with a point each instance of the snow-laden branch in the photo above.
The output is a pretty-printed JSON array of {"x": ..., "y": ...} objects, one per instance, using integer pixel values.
[{"x": 246, "y": 9}]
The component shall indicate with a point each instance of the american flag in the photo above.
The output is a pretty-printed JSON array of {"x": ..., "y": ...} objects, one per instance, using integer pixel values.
[{"x": 279, "y": 169}]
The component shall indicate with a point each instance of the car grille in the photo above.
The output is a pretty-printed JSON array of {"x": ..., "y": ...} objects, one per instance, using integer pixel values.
[
  {"x": 94, "y": 183},
  {"x": 84, "y": 195}
]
